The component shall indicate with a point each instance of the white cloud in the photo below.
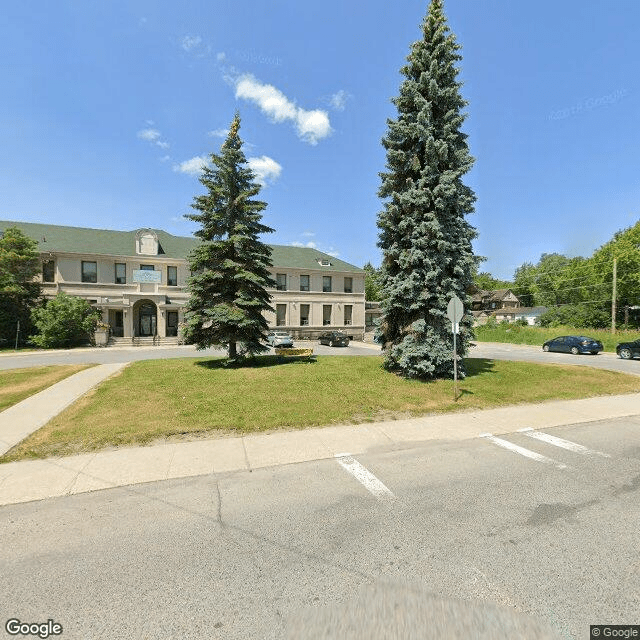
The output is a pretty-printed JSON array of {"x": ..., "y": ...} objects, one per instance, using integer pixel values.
[
  {"x": 218, "y": 133},
  {"x": 221, "y": 56},
  {"x": 339, "y": 100},
  {"x": 150, "y": 135},
  {"x": 153, "y": 136},
  {"x": 192, "y": 167},
  {"x": 335, "y": 254},
  {"x": 311, "y": 126},
  {"x": 266, "y": 169},
  {"x": 190, "y": 42},
  {"x": 309, "y": 245},
  {"x": 308, "y": 234}
]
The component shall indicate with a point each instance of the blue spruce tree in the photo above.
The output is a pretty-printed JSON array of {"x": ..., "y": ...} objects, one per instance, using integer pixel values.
[
  {"x": 424, "y": 236},
  {"x": 230, "y": 268}
]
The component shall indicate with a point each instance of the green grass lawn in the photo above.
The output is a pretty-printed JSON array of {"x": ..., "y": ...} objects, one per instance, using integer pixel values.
[
  {"x": 515, "y": 334},
  {"x": 185, "y": 398},
  {"x": 18, "y": 384}
]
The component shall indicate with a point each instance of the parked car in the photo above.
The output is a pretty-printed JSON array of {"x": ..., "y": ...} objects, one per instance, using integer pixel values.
[
  {"x": 279, "y": 339},
  {"x": 334, "y": 339},
  {"x": 573, "y": 344},
  {"x": 628, "y": 350}
]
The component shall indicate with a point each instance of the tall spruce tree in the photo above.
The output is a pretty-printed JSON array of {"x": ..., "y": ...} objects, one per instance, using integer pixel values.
[
  {"x": 230, "y": 268},
  {"x": 425, "y": 238}
]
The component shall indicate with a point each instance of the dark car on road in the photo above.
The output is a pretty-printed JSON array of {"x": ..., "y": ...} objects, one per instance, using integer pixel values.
[
  {"x": 334, "y": 339},
  {"x": 573, "y": 344},
  {"x": 628, "y": 350}
]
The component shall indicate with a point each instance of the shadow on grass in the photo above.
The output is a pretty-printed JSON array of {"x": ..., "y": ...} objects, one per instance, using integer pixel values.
[
  {"x": 478, "y": 366},
  {"x": 257, "y": 362}
]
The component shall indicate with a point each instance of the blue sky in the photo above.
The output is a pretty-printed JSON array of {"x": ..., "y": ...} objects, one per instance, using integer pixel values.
[{"x": 107, "y": 107}]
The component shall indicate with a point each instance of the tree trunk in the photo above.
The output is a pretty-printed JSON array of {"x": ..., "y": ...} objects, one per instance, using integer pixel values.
[{"x": 232, "y": 351}]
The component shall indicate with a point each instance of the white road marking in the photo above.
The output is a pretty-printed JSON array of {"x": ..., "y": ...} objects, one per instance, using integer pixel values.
[
  {"x": 362, "y": 475},
  {"x": 522, "y": 451},
  {"x": 560, "y": 442}
]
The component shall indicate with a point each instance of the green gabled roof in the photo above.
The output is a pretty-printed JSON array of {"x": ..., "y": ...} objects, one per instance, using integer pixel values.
[
  {"x": 306, "y": 258},
  {"x": 61, "y": 239}
]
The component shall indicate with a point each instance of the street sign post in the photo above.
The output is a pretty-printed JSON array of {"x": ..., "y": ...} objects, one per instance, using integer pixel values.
[{"x": 455, "y": 311}]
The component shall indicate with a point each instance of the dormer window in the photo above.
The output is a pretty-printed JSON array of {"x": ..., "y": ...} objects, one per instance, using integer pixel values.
[
  {"x": 323, "y": 262},
  {"x": 146, "y": 242}
]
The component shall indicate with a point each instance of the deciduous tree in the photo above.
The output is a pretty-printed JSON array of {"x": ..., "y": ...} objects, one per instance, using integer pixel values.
[
  {"x": 64, "y": 321},
  {"x": 19, "y": 291}
]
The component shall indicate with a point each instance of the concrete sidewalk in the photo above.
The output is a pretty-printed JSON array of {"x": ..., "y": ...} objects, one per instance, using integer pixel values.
[
  {"x": 40, "y": 479},
  {"x": 22, "y": 419}
]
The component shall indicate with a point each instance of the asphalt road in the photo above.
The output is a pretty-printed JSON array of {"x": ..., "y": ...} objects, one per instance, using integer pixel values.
[
  {"x": 499, "y": 351},
  {"x": 131, "y": 354},
  {"x": 302, "y": 547},
  {"x": 495, "y": 351}
]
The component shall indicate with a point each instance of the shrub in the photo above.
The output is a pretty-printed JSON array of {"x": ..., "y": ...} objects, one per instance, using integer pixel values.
[
  {"x": 577, "y": 315},
  {"x": 64, "y": 321}
]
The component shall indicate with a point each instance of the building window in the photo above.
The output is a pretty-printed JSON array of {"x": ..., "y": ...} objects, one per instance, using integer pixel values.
[
  {"x": 348, "y": 314},
  {"x": 326, "y": 314},
  {"x": 121, "y": 273},
  {"x": 304, "y": 315},
  {"x": 326, "y": 283},
  {"x": 172, "y": 276},
  {"x": 348, "y": 285},
  {"x": 304, "y": 283},
  {"x": 281, "y": 315},
  {"x": 48, "y": 271},
  {"x": 172, "y": 323},
  {"x": 281, "y": 281},
  {"x": 147, "y": 267},
  {"x": 89, "y": 271}
]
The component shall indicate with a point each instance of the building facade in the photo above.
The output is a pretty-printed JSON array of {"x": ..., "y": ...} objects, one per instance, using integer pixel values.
[{"x": 138, "y": 280}]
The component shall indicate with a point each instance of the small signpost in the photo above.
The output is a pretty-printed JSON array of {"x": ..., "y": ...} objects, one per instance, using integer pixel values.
[{"x": 455, "y": 311}]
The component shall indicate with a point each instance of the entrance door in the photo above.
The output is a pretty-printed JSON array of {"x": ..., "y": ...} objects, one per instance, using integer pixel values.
[{"x": 147, "y": 322}]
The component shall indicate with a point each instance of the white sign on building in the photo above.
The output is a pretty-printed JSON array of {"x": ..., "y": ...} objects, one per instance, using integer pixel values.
[{"x": 140, "y": 275}]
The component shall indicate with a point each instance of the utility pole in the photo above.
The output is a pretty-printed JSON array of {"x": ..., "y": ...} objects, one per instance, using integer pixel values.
[
  {"x": 17, "y": 334},
  {"x": 613, "y": 296}
]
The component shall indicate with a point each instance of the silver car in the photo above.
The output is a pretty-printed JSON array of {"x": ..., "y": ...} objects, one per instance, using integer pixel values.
[{"x": 279, "y": 339}]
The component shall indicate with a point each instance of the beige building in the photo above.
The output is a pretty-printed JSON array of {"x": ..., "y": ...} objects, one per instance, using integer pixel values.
[{"x": 138, "y": 280}]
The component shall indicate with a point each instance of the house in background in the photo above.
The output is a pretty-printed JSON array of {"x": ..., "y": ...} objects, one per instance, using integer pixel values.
[
  {"x": 530, "y": 314},
  {"x": 501, "y": 304},
  {"x": 138, "y": 280},
  {"x": 496, "y": 299}
]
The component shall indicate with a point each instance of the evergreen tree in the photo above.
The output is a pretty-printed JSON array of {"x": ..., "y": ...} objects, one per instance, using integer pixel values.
[
  {"x": 425, "y": 238},
  {"x": 230, "y": 268},
  {"x": 19, "y": 291}
]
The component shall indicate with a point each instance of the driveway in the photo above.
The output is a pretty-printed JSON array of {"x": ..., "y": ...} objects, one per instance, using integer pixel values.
[
  {"x": 111, "y": 355},
  {"x": 491, "y": 350}
]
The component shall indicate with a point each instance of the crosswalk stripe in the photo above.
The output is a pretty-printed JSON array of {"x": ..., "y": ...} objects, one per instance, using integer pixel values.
[
  {"x": 560, "y": 442},
  {"x": 363, "y": 475},
  {"x": 521, "y": 450}
]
